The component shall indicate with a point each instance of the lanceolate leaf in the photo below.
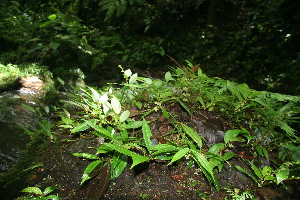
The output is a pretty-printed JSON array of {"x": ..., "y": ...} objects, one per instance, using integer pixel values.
[
  {"x": 179, "y": 155},
  {"x": 206, "y": 167},
  {"x": 89, "y": 169},
  {"x": 147, "y": 134},
  {"x": 137, "y": 159},
  {"x": 194, "y": 135}
]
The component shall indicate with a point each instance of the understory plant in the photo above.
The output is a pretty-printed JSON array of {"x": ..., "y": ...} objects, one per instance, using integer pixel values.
[{"x": 118, "y": 116}]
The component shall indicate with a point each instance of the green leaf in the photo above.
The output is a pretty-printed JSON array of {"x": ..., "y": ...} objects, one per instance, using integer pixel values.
[
  {"x": 135, "y": 124},
  {"x": 104, "y": 132},
  {"x": 124, "y": 115},
  {"x": 137, "y": 159},
  {"x": 35, "y": 190},
  {"x": 168, "y": 77},
  {"x": 61, "y": 81},
  {"x": 230, "y": 135},
  {"x": 82, "y": 127},
  {"x": 28, "y": 108},
  {"x": 267, "y": 170},
  {"x": 133, "y": 79},
  {"x": 89, "y": 169},
  {"x": 118, "y": 165},
  {"x": 115, "y": 104},
  {"x": 256, "y": 170},
  {"x": 54, "y": 45},
  {"x": 193, "y": 134},
  {"x": 51, "y": 197},
  {"x": 147, "y": 135},
  {"x": 246, "y": 172},
  {"x": 86, "y": 155},
  {"x": 184, "y": 106},
  {"x": 228, "y": 155},
  {"x": 165, "y": 113},
  {"x": 179, "y": 155},
  {"x": 282, "y": 174},
  {"x": 52, "y": 17},
  {"x": 48, "y": 190},
  {"x": 206, "y": 167},
  {"x": 164, "y": 149},
  {"x": 216, "y": 148}
]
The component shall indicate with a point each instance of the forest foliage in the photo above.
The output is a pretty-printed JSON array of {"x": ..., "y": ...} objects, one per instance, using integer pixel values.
[{"x": 253, "y": 41}]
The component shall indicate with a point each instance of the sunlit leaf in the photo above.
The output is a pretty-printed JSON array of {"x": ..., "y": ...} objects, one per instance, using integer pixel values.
[
  {"x": 89, "y": 169},
  {"x": 86, "y": 155},
  {"x": 48, "y": 190},
  {"x": 282, "y": 174},
  {"x": 147, "y": 134},
  {"x": 133, "y": 79},
  {"x": 124, "y": 115},
  {"x": 35, "y": 190},
  {"x": 116, "y": 105},
  {"x": 52, "y": 17}
]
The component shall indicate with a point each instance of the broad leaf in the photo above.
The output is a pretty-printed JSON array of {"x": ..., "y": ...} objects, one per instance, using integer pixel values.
[
  {"x": 35, "y": 190},
  {"x": 124, "y": 115},
  {"x": 230, "y": 135},
  {"x": 179, "y": 155},
  {"x": 48, "y": 190},
  {"x": 115, "y": 104}
]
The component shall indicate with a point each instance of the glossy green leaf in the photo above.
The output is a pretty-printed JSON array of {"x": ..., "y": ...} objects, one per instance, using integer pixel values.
[
  {"x": 179, "y": 155},
  {"x": 48, "y": 190},
  {"x": 147, "y": 135},
  {"x": 282, "y": 174},
  {"x": 35, "y": 190},
  {"x": 118, "y": 165},
  {"x": 89, "y": 169},
  {"x": 193, "y": 134}
]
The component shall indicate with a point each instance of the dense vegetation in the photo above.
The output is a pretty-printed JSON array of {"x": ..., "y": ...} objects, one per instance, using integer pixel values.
[{"x": 255, "y": 42}]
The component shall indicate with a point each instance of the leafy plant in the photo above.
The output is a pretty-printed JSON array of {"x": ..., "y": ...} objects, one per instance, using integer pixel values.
[{"x": 45, "y": 195}]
